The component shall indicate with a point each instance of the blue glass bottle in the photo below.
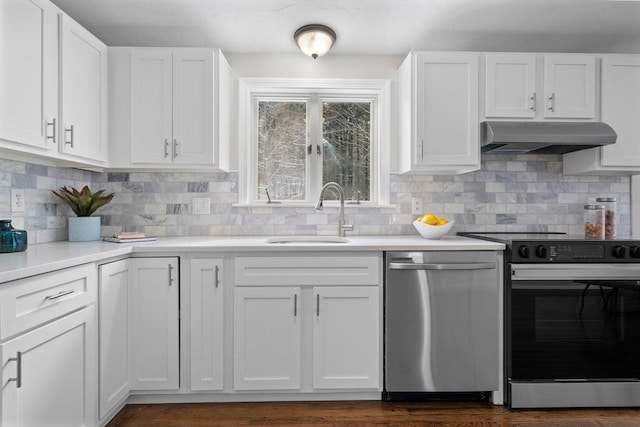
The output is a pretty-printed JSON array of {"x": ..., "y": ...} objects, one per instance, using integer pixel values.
[{"x": 12, "y": 240}]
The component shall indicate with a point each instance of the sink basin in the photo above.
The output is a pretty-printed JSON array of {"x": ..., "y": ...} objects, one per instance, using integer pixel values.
[{"x": 308, "y": 239}]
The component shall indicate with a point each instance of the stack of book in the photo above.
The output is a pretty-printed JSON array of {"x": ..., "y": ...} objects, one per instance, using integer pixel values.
[{"x": 129, "y": 237}]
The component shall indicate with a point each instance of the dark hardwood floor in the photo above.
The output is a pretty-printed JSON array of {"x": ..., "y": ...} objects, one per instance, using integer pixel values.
[{"x": 366, "y": 414}]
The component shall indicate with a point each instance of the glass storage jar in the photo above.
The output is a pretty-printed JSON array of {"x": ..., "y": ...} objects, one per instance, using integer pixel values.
[
  {"x": 610, "y": 216},
  {"x": 594, "y": 222},
  {"x": 11, "y": 240}
]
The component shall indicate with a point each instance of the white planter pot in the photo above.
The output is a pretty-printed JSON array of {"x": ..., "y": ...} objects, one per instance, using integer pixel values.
[{"x": 84, "y": 228}]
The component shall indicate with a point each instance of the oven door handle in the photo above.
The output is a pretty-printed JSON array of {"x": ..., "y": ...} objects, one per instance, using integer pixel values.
[
  {"x": 575, "y": 272},
  {"x": 469, "y": 266}
]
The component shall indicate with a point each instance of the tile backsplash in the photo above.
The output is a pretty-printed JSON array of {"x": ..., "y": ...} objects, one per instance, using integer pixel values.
[{"x": 510, "y": 193}]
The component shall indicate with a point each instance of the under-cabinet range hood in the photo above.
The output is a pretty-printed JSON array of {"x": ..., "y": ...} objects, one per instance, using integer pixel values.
[{"x": 544, "y": 137}]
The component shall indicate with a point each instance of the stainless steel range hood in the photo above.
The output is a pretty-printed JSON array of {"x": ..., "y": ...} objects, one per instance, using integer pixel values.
[{"x": 544, "y": 137}]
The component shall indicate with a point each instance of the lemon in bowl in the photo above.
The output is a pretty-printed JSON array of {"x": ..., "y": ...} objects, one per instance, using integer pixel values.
[{"x": 432, "y": 226}]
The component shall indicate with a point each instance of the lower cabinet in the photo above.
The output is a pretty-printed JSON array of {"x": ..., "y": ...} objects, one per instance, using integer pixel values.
[
  {"x": 154, "y": 325},
  {"x": 48, "y": 374},
  {"x": 206, "y": 326},
  {"x": 113, "y": 321},
  {"x": 322, "y": 333}
]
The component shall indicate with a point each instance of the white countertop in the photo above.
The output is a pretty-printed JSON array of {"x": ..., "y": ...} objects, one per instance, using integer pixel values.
[{"x": 46, "y": 257}]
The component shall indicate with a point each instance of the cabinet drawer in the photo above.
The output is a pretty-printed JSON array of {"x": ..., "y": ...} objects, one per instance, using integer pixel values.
[
  {"x": 307, "y": 270},
  {"x": 29, "y": 302}
]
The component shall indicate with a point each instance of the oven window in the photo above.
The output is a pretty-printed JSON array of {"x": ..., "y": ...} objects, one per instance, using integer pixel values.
[{"x": 564, "y": 330}]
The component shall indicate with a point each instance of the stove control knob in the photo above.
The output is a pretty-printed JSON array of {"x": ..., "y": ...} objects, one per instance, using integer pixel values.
[
  {"x": 619, "y": 251},
  {"x": 523, "y": 251},
  {"x": 634, "y": 251},
  {"x": 541, "y": 251}
]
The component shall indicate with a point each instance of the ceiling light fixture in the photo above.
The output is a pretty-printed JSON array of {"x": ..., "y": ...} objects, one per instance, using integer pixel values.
[{"x": 314, "y": 40}]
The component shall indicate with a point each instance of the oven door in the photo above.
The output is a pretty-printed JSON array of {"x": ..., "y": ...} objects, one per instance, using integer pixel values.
[{"x": 573, "y": 323}]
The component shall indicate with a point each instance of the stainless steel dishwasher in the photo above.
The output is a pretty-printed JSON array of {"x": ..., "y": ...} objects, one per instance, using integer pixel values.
[{"x": 442, "y": 327}]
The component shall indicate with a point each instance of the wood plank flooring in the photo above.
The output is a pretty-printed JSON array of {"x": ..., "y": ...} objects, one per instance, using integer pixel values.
[{"x": 367, "y": 413}]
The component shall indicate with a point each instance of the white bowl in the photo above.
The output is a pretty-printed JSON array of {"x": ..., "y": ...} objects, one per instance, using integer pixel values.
[{"x": 433, "y": 232}]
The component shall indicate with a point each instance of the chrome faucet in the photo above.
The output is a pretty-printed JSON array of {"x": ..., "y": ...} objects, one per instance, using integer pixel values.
[{"x": 342, "y": 227}]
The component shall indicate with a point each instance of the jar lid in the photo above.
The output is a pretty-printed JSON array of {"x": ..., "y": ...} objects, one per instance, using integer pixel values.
[
  {"x": 594, "y": 207},
  {"x": 606, "y": 199}
]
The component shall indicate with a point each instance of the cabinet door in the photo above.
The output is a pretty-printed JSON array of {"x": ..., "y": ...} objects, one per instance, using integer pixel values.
[
  {"x": 193, "y": 118},
  {"x": 49, "y": 374},
  {"x": 84, "y": 92},
  {"x": 266, "y": 338},
  {"x": 569, "y": 86},
  {"x": 621, "y": 110},
  {"x": 346, "y": 337},
  {"x": 447, "y": 110},
  {"x": 113, "y": 324},
  {"x": 151, "y": 106},
  {"x": 206, "y": 310},
  {"x": 154, "y": 328},
  {"x": 510, "y": 85},
  {"x": 29, "y": 72}
]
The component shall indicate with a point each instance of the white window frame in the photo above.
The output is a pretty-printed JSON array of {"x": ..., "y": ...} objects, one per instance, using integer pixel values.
[{"x": 252, "y": 89}]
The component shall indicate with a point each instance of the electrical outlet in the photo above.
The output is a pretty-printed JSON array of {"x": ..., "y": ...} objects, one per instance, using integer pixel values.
[
  {"x": 201, "y": 205},
  {"x": 17, "y": 201},
  {"x": 416, "y": 206}
]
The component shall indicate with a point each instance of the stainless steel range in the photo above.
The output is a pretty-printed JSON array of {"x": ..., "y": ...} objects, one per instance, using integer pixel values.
[{"x": 572, "y": 320}]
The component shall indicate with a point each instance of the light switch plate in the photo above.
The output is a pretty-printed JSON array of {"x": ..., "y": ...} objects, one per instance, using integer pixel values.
[
  {"x": 17, "y": 201},
  {"x": 201, "y": 205}
]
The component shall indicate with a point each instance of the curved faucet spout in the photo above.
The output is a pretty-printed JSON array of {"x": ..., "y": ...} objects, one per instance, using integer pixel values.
[{"x": 334, "y": 186}]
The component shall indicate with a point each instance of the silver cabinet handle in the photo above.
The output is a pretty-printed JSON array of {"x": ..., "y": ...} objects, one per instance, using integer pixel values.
[
  {"x": 533, "y": 102},
  {"x": 175, "y": 148},
  {"x": 70, "y": 132},
  {"x": 471, "y": 266},
  {"x": 59, "y": 295},
  {"x": 295, "y": 305},
  {"x": 52, "y": 123},
  {"x": 18, "y": 377},
  {"x": 318, "y": 305},
  {"x": 170, "y": 274},
  {"x": 552, "y": 105},
  {"x": 166, "y": 148},
  {"x": 217, "y": 276}
]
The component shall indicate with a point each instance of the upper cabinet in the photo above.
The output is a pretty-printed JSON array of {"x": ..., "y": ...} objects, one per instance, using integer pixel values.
[
  {"x": 53, "y": 76},
  {"x": 438, "y": 122},
  {"x": 170, "y": 108},
  {"x": 531, "y": 86},
  {"x": 29, "y": 73},
  {"x": 620, "y": 109},
  {"x": 84, "y": 92}
]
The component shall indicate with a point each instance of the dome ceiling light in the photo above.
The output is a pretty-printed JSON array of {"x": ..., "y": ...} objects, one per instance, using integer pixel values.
[{"x": 314, "y": 40}]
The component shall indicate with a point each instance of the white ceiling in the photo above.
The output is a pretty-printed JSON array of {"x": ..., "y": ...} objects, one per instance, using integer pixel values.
[{"x": 367, "y": 27}]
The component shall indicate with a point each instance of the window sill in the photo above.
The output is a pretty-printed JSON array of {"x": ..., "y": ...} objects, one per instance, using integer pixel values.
[{"x": 327, "y": 204}]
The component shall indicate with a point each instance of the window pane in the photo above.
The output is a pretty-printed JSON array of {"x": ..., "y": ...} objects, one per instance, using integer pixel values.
[
  {"x": 346, "y": 140},
  {"x": 282, "y": 133}
]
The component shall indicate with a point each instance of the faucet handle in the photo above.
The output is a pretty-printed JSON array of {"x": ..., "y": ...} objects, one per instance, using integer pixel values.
[{"x": 345, "y": 227}]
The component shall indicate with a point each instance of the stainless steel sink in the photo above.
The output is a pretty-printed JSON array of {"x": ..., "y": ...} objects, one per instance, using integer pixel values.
[{"x": 307, "y": 239}]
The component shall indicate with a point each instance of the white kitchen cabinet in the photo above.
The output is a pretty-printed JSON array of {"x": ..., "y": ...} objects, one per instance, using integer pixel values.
[
  {"x": 113, "y": 331},
  {"x": 307, "y": 323},
  {"x": 179, "y": 107},
  {"x": 29, "y": 73},
  {"x": 83, "y": 131},
  {"x": 267, "y": 340},
  {"x": 438, "y": 125},
  {"x": 206, "y": 311},
  {"x": 620, "y": 109},
  {"x": 346, "y": 341},
  {"x": 49, "y": 349},
  {"x": 154, "y": 332},
  {"x": 531, "y": 86}
]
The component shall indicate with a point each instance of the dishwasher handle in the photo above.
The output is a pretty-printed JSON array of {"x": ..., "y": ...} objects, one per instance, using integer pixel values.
[{"x": 458, "y": 266}]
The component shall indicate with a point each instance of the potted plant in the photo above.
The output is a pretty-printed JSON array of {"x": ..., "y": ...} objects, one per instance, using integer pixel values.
[{"x": 83, "y": 203}]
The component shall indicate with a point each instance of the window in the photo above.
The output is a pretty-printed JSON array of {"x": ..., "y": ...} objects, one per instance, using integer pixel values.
[{"x": 299, "y": 136}]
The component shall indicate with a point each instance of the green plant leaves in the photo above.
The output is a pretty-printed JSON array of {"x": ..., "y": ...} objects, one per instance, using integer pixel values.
[{"x": 83, "y": 202}]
